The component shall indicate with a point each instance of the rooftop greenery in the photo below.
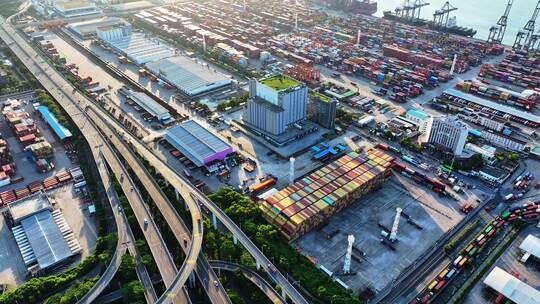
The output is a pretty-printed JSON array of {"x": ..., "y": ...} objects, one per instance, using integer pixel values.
[{"x": 279, "y": 82}]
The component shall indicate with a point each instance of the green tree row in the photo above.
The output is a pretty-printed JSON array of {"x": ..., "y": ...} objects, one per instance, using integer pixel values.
[{"x": 245, "y": 213}]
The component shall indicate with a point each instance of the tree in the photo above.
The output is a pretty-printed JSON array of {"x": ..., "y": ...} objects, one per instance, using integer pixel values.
[
  {"x": 127, "y": 268},
  {"x": 476, "y": 162},
  {"x": 512, "y": 156},
  {"x": 133, "y": 292}
]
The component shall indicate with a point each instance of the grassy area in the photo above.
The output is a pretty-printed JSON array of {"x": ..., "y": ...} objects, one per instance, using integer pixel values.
[
  {"x": 279, "y": 82},
  {"x": 318, "y": 95}
]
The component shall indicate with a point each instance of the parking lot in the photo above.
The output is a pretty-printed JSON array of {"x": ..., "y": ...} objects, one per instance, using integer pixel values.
[{"x": 381, "y": 265}]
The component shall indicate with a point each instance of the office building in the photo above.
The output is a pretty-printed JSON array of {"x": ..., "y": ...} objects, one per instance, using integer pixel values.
[
  {"x": 449, "y": 133},
  {"x": 276, "y": 103},
  {"x": 75, "y": 8},
  {"x": 322, "y": 110},
  {"x": 422, "y": 119}
]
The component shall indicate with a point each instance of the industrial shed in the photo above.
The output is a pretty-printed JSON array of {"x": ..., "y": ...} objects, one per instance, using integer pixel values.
[
  {"x": 189, "y": 76},
  {"x": 197, "y": 143},
  {"x": 511, "y": 287},
  {"x": 151, "y": 106},
  {"x": 59, "y": 130},
  {"x": 135, "y": 46},
  {"x": 531, "y": 247},
  {"x": 43, "y": 236},
  {"x": 89, "y": 27}
]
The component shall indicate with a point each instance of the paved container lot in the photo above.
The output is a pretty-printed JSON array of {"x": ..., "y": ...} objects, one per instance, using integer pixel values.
[{"x": 380, "y": 266}]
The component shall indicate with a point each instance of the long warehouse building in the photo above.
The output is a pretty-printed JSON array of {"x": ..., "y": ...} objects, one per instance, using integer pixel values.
[
  {"x": 312, "y": 199},
  {"x": 189, "y": 76},
  {"x": 197, "y": 143},
  {"x": 150, "y": 105},
  {"x": 499, "y": 109}
]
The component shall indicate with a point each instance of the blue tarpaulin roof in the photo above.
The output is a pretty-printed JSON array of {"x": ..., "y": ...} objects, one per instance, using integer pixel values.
[{"x": 59, "y": 130}]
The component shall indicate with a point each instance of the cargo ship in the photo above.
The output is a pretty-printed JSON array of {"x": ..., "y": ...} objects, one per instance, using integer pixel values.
[
  {"x": 452, "y": 27},
  {"x": 364, "y": 7}
]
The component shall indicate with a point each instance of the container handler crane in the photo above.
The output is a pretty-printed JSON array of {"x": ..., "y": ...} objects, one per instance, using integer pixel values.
[
  {"x": 496, "y": 32},
  {"x": 440, "y": 17},
  {"x": 524, "y": 38}
]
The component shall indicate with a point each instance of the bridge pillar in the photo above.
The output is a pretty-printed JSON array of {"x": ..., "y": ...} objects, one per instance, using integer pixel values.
[
  {"x": 283, "y": 294},
  {"x": 258, "y": 265},
  {"x": 177, "y": 195},
  {"x": 235, "y": 240},
  {"x": 214, "y": 221}
]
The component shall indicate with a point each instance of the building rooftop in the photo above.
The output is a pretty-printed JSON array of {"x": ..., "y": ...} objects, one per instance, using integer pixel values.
[
  {"x": 44, "y": 236},
  {"x": 189, "y": 76},
  {"x": 60, "y": 131},
  {"x": 149, "y": 105},
  {"x": 531, "y": 245},
  {"x": 197, "y": 143},
  {"x": 279, "y": 82},
  {"x": 320, "y": 96},
  {"x": 418, "y": 114},
  {"x": 511, "y": 287},
  {"x": 493, "y": 105},
  {"x": 23, "y": 208},
  {"x": 74, "y": 4}
]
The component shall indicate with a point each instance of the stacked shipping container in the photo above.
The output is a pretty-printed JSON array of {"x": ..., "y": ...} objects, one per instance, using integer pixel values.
[{"x": 308, "y": 202}]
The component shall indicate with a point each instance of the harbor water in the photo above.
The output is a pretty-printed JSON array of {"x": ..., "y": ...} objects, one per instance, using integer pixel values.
[{"x": 477, "y": 14}]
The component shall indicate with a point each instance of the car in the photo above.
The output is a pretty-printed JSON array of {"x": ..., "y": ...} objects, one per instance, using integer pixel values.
[
  {"x": 145, "y": 222},
  {"x": 156, "y": 127},
  {"x": 216, "y": 283}
]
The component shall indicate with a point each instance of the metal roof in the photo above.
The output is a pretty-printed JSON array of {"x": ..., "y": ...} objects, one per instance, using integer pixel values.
[
  {"x": 493, "y": 105},
  {"x": 60, "y": 131},
  {"x": 149, "y": 105},
  {"x": 197, "y": 143},
  {"x": 418, "y": 114},
  {"x": 47, "y": 242},
  {"x": 531, "y": 244},
  {"x": 511, "y": 287},
  {"x": 189, "y": 76},
  {"x": 141, "y": 49}
]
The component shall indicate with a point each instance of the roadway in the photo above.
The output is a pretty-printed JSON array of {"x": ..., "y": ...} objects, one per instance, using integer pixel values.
[
  {"x": 216, "y": 294},
  {"x": 61, "y": 91},
  {"x": 182, "y": 185},
  {"x": 186, "y": 190},
  {"x": 253, "y": 276}
]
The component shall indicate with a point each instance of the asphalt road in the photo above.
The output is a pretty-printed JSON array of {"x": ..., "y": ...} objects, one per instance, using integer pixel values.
[
  {"x": 254, "y": 277},
  {"x": 61, "y": 91},
  {"x": 186, "y": 189},
  {"x": 177, "y": 225}
]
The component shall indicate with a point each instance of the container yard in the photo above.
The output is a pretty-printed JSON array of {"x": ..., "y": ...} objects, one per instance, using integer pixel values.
[{"x": 313, "y": 199}]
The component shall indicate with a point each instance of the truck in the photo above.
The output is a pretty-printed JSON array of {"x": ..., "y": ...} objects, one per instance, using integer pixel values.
[
  {"x": 380, "y": 91},
  {"x": 508, "y": 196}
]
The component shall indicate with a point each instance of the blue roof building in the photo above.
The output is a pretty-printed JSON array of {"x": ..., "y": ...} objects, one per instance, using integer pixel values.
[{"x": 60, "y": 131}]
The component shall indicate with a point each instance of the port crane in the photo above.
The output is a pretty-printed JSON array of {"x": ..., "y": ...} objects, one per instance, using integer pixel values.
[
  {"x": 440, "y": 17},
  {"x": 525, "y": 37},
  {"x": 496, "y": 32}
]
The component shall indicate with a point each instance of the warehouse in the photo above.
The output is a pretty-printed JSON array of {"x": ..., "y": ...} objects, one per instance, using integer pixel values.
[
  {"x": 42, "y": 235},
  {"x": 85, "y": 29},
  {"x": 197, "y": 143},
  {"x": 511, "y": 287},
  {"x": 189, "y": 76},
  {"x": 59, "y": 130},
  {"x": 151, "y": 106},
  {"x": 76, "y": 8},
  {"x": 515, "y": 113},
  {"x": 312, "y": 199},
  {"x": 135, "y": 46},
  {"x": 131, "y": 6},
  {"x": 531, "y": 247}
]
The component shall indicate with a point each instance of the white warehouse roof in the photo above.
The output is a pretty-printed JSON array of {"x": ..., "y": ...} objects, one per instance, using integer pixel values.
[
  {"x": 511, "y": 287},
  {"x": 139, "y": 48},
  {"x": 149, "y": 105},
  {"x": 531, "y": 245},
  {"x": 188, "y": 75}
]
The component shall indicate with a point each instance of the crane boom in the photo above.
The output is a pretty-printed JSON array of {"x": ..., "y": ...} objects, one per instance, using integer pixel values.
[{"x": 496, "y": 32}]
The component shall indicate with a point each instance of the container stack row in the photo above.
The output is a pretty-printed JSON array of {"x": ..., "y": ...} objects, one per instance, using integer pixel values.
[
  {"x": 10, "y": 196},
  {"x": 314, "y": 198}
]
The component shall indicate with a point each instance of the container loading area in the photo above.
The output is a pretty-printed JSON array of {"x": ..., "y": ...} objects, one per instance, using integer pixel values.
[{"x": 314, "y": 198}]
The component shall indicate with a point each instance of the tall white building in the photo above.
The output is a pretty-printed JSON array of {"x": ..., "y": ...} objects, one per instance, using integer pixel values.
[
  {"x": 449, "y": 133},
  {"x": 423, "y": 120}
]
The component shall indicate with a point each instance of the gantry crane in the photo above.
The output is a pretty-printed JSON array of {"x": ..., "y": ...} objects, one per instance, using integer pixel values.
[
  {"x": 496, "y": 32},
  {"x": 535, "y": 42},
  {"x": 440, "y": 17},
  {"x": 417, "y": 5},
  {"x": 524, "y": 38},
  {"x": 403, "y": 10}
]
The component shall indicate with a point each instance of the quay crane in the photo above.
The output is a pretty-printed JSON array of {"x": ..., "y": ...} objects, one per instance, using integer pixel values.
[
  {"x": 525, "y": 38},
  {"x": 496, "y": 32},
  {"x": 440, "y": 17}
]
